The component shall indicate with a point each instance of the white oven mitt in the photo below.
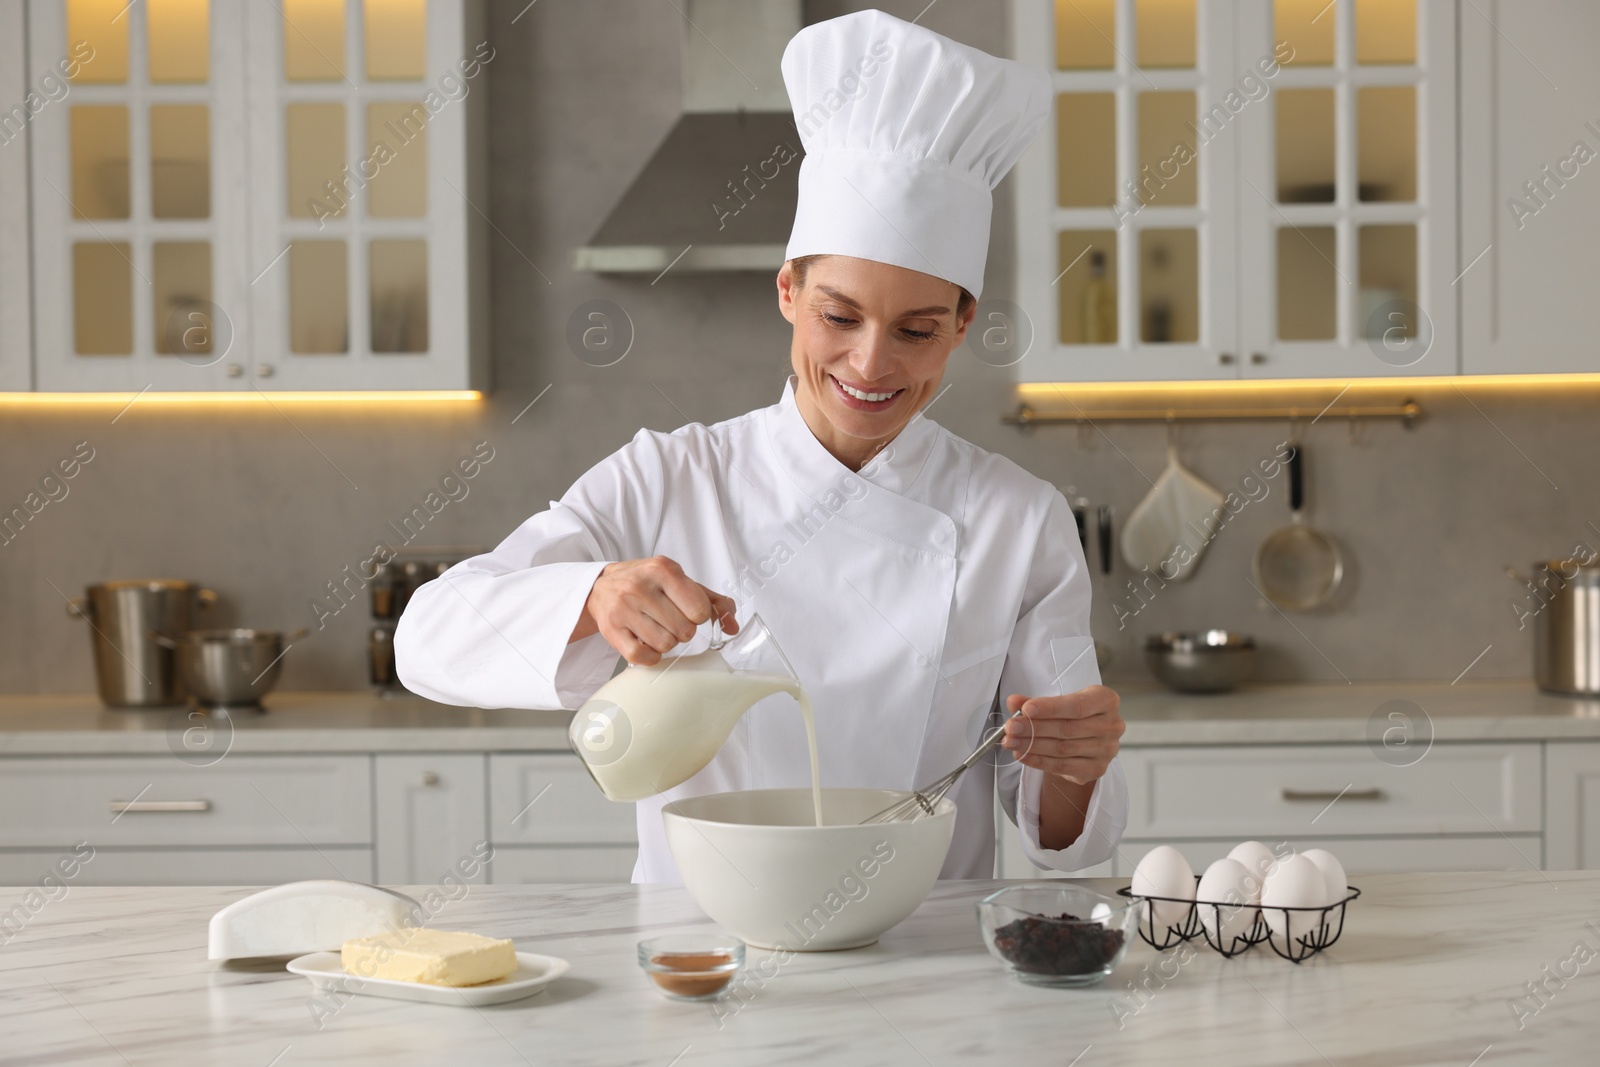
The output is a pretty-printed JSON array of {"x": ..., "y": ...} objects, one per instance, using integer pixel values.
[{"x": 1181, "y": 509}]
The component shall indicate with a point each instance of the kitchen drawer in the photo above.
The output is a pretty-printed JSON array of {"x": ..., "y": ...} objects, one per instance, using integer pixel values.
[
  {"x": 1285, "y": 791},
  {"x": 295, "y": 801},
  {"x": 523, "y": 865},
  {"x": 567, "y": 807},
  {"x": 175, "y": 866},
  {"x": 1369, "y": 855}
]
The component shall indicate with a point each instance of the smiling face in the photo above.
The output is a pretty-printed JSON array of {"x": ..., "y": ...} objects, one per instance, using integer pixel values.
[{"x": 870, "y": 345}]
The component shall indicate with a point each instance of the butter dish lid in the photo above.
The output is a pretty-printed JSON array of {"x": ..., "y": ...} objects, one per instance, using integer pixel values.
[{"x": 302, "y": 917}]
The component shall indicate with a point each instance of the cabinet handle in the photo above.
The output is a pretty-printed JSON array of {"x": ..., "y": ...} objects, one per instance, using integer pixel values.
[
  {"x": 430, "y": 778},
  {"x": 125, "y": 807},
  {"x": 263, "y": 370},
  {"x": 235, "y": 371},
  {"x": 1258, "y": 357},
  {"x": 1225, "y": 358},
  {"x": 1330, "y": 795}
]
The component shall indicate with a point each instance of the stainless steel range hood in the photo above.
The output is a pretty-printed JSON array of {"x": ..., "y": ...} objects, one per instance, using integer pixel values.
[{"x": 719, "y": 192}]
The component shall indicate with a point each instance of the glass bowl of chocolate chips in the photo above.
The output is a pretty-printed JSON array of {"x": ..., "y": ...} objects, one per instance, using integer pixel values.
[{"x": 1057, "y": 933}]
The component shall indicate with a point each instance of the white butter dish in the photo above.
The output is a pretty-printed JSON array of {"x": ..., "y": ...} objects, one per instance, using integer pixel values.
[
  {"x": 301, "y": 917},
  {"x": 533, "y": 973}
]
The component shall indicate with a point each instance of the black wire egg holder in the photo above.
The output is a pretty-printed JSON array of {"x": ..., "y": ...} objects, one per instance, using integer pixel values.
[{"x": 1295, "y": 950}]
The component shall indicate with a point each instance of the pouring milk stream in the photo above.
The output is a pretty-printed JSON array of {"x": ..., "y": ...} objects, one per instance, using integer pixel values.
[{"x": 651, "y": 728}]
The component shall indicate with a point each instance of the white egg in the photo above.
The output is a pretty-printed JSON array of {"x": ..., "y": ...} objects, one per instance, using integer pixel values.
[
  {"x": 1259, "y": 860},
  {"x": 1101, "y": 914},
  {"x": 1332, "y": 873},
  {"x": 1165, "y": 873},
  {"x": 1226, "y": 882},
  {"x": 1295, "y": 882}
]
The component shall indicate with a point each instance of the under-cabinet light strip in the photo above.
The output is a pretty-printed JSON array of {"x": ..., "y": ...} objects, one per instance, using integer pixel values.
[
  {"x": 1040, "y": 392},
  {"x": 249, "y": 396}
]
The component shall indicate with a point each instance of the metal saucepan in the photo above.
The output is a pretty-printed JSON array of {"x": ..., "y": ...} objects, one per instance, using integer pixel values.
[
  {"x": 1564, "y": 599},
  {"x": 229, "y": 670},
  {"x": 1298, "y": 567}
]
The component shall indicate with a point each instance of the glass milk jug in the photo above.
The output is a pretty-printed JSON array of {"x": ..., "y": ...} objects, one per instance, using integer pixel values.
[{"x": 651, "y": 728}]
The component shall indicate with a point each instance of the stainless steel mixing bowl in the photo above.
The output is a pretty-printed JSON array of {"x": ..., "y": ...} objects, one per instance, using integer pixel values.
[
  {"x": 230, "y": 669},
  {"x": 1211, "y": 661}
]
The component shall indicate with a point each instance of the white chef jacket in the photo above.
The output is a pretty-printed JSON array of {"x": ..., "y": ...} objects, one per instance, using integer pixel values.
[{"x": 908, "y": 597}]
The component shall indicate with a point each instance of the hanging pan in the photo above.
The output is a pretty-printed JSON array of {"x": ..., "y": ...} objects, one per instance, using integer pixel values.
[{"x": 1298, "y": 567}]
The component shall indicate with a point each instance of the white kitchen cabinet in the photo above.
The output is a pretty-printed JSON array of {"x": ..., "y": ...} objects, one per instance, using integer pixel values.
[
  {"x": 159, "y": 801},
  {"x": 396, "y": 818},
  {"x": 432, "y": 815},
  {"x": 549, "y": 822},
  {"x": 1463, "y": 807},
  {"x": 1288, "y": 791},
  {"x": 1230, "y": 251},
  {"x": 1572, "y": 805},
  {"x": 523, "y": 865},
  {"x": 18, "y": 103},
  {"x": 259, "y": 196},
  {"x": 1530, "y": 217},
  {"x": 547, "y": 798}
]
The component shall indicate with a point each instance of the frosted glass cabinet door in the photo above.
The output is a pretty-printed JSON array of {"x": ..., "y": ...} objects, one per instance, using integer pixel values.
[
  {"x": 361, "y": 214},
  {"x": 1530, "y": 138},
  {"x": 235, "y": 195},
  {"x": 139, "y": 212},
  {"x": 1347, "y": 166},
  {"x": 1126, "y": 249},
  {"x": 1240, "y": 189}
]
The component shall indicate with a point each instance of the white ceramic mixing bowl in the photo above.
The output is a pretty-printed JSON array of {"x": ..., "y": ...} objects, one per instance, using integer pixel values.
[{"x": 758, "y": 865}]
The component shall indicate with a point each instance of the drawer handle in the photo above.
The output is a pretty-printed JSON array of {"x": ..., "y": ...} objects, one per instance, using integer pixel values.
[
  {"x": 123, "y": 807},
  {"x": 1330, "y": 795}
]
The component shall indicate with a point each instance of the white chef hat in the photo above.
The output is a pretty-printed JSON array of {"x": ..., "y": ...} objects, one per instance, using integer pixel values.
[{"x": 906, "y": 133}]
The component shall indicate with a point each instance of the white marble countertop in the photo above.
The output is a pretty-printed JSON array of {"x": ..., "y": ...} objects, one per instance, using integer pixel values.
[
  {"x": 77, "y": 724},
  {"x": 1427, "y": 972}
]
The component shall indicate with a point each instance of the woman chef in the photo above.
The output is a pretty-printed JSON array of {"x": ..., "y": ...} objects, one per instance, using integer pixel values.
[{"x": 911, "y": 578}]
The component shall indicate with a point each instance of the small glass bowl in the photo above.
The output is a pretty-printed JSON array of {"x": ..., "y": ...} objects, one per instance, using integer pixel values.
[
  {"x": 695, "y": 966},
  {"x": 1023, "y": 929}
]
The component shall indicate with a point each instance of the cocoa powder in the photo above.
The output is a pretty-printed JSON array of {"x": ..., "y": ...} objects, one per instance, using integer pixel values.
[{"x": 692, "y": 979}]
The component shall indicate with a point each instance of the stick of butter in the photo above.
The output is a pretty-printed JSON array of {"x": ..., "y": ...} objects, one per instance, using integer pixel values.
[{"x": 434, "y": 957}]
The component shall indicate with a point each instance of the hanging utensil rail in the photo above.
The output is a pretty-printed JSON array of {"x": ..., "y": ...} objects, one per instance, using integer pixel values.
[{"x": 1407, "y": 411}]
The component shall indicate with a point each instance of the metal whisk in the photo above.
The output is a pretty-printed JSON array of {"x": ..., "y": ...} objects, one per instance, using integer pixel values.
[{"x": 923, "y": 801}]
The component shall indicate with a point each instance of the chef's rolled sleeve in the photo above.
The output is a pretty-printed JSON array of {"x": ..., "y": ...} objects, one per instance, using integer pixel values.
[
  {"x": 1052, "y": 654},
  {"x": 1102, "y": 825}
]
